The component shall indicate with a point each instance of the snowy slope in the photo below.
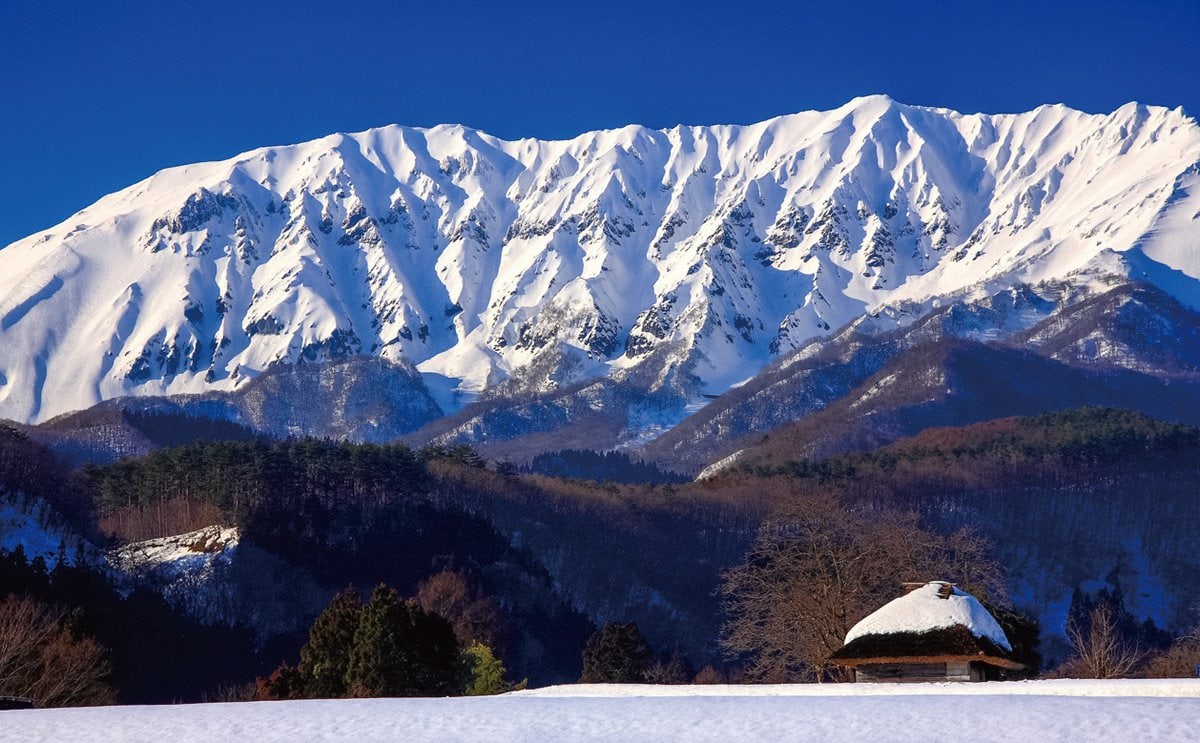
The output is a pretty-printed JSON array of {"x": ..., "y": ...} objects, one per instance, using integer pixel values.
[
  {"x": 191, "y": 571},
  {"x": 1040, "y": 710},
  {"x": 683, "y": 259}
]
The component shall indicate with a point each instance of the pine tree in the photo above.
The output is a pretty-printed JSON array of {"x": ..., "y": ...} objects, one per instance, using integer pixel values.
[
  {"x": 401, "y": 650},
  {"x": 617, "y": 654},
  {"x": 325, "y": 659}
]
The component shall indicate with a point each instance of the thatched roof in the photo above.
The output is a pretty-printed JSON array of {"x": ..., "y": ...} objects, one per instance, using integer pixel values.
[
  {"x": 930, "y": 606},
  {"x": 942, "y": 645}
]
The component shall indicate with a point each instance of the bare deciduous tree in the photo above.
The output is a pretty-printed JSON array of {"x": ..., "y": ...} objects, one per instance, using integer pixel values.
[
  {"x": 1101, "y": 650},
  {"x": 41, "y": 658},
  {"x": 474, "y": 616},
  {"x": 818, "y": 567}
]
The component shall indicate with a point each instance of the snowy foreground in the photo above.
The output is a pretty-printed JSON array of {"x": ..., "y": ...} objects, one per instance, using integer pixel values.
[{"x": 1040, "y": 710}]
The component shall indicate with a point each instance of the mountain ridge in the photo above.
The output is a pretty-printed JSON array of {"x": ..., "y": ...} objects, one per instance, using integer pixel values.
[{"x": 681, "y": 260}]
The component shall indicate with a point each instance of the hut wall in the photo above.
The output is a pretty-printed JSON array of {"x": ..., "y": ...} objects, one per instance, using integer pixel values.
[
  {"x": 900, "y": 673},
  {"x": 915, "y": 673},
  {"x": 964, "y": 672}
]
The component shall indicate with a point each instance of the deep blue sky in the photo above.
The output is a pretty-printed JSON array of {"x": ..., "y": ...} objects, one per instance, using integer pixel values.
[{"x": 95, "y": 95}]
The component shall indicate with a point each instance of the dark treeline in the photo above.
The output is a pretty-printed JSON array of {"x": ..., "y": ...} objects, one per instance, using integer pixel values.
[
  {"x": 1073, "y": 445},
  {"x": 347, "y": 513},
  {"x": 609, "y": 466},
  {"x": 295, "y": 486},
  {"x": 239, "y": 477},
  {"x": 1090, "y": 464}
]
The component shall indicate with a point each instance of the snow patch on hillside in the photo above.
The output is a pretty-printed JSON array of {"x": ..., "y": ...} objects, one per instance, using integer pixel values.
[
  {"x": 169, "y": 558},
  {"x": 190, "y": 570},
  {"x": 721, "y": 465}
]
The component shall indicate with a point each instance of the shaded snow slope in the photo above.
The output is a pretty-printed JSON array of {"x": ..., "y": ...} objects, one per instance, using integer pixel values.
[
  {"x": 191, "y": 571},
  {"x": 1045, "y": 711},
  {"x": 683, "y": 259},
  {"x": 923, "y": 609},
  {"x": 39, "y": 531}
]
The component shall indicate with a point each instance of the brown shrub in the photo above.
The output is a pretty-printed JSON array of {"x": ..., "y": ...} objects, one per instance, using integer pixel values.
[{"x": 709, "y": 675}]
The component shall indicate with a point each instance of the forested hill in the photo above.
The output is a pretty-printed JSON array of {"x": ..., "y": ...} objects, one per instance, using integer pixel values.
[
  {"x": 1087, "y": 498},
  {"x": 558, "y": 554},
  {"x": 1083, "y": 444},
  {"x": 1083, "y": 499}
]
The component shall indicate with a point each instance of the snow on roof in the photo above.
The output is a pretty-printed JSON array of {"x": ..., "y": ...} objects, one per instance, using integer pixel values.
[{"x": 925, "y": 609}]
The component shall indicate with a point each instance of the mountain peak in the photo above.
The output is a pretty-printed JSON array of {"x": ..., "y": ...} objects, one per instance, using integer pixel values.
[{"x": 873, "y": 101}]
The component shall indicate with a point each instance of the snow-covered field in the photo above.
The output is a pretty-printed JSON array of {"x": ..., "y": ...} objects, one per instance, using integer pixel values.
[{"x": 1040, "y": 710}]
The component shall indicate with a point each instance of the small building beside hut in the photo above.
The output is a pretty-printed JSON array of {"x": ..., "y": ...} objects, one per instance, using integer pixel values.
[{"x": 935, "y": 632}]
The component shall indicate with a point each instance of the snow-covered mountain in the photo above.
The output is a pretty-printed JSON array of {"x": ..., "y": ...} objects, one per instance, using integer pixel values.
[
  {"x": 682, "y": 260},
  {"x": 1019, "y": 352}
]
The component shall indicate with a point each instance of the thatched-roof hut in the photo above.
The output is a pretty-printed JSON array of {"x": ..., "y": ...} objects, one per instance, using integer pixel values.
[{"x": 936, "y": 632}]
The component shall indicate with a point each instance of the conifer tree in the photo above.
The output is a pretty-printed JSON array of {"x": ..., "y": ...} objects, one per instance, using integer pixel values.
[
  {"x": 1024, "y": 633},
  {"x": 485, "y": 672},
  {"x": 325, "y": 659},
  {"x": 616, "y": 654},
  {"x": 401, "y": 650}
]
